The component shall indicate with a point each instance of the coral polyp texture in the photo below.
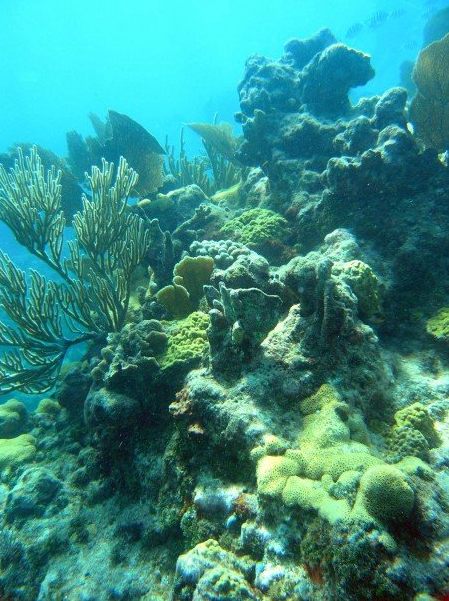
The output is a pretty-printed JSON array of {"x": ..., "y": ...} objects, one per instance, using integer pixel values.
[{"x": 259, "y": 406}]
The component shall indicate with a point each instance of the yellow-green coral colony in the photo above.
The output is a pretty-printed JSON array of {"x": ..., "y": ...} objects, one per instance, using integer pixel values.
[
  {"x": 304, "y": 476},
  {"x": 256, "y": 227},
  {"x": 189, "y": 277},
  {"x": 438, "y": 325}
]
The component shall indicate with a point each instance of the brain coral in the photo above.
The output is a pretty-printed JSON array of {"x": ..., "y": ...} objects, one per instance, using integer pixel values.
[
  {"x": 386, "y": 494},
  {"x": 17, "y": 450}
]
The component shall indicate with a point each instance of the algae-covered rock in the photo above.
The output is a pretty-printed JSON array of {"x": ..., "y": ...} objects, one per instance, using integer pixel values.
[
  {"x": 300, "y": 52},
  {"x": 109, "y": 414},
  {"x": 14, "y": 451},
  {"x": 390, "y": 108},
  {"x": 251, "y": 310},
  {"x": 13, "y": 416},
  {"x": 240, "y": 320},
  {"x": 37, "y": 492},
  {"x": 330, "y": 75},
  {"x": 130, "y": 361},
  {"x": 363, "y": 282}
]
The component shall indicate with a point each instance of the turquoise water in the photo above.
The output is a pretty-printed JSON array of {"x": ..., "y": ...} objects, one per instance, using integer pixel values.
[{"x": 164, "y": 63}]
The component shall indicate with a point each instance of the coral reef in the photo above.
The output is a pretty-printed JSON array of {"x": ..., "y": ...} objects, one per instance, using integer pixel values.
[
  {"x": 260, "y": 229},
  {"x": 260, "y": 410}
]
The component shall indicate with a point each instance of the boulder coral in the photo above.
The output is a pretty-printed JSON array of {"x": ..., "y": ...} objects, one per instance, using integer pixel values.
[
  {"x": 308, "y": 476},
  {"x": 13, "y": 417}
]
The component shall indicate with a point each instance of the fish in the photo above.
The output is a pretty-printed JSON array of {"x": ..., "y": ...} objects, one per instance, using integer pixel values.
[
  {"x": 397, "y": 13},
  {"x": 354, "y": 30},
  {"x": 377, "y": 19}
]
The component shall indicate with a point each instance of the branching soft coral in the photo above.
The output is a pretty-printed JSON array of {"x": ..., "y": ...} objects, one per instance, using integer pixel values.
[{"x": 91, "y": 295}]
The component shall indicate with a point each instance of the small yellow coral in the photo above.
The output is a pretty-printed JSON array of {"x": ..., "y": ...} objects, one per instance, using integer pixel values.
[
  {"x": 17, "y": 450},
  {"x": 438, "y": 325}
]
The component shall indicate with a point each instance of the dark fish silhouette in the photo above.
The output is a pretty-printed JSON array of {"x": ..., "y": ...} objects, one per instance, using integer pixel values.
[
  {"x": 354, "y": 30},
  {"x": 397, "y": 13},
  {"x": 377, "y": 19},
  {"x": 130, "y": 132}
]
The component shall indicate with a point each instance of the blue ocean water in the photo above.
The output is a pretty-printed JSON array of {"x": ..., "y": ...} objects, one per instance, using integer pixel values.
[{"x": 165, "y": 64}]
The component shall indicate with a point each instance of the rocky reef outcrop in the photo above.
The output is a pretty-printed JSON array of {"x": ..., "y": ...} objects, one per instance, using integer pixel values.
[{"x": 271, "y": 422}]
